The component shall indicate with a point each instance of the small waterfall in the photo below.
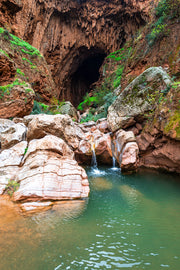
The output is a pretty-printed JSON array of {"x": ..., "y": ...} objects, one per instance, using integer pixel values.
[
  {"x": 94, "y": 160},
  {"x": 95, "y": 170},
  {"x": 114, "y": 162},
  {"x": 114, "y": 149}
]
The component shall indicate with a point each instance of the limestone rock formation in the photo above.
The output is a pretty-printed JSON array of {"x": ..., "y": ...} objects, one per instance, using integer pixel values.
[
  {"x": 125, "y": 150},
  {"x": 11, "y": 133},
  {"x": 49, "y": 172},
  {"x": 10, "y": 161},
  {"x": 65, "y": 108},
  {"x": 138, "y": 98},
  {"x": 59, "y": 125}
]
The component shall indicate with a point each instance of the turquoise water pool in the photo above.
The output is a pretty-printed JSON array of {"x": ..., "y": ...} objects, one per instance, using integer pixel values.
[{"x": 128, "y": 222}]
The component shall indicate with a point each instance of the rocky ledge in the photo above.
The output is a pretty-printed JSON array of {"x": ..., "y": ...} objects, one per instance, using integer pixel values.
[{"x": 40, "y": 155}]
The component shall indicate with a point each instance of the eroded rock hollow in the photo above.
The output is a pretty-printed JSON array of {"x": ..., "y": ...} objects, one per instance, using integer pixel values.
[{"x": 74, "y": 35}]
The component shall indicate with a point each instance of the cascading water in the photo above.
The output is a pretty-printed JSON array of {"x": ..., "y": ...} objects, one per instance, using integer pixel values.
[
  {"x": 114, "y": 167},
  {"x": 114, "y": 162},
  {"x": 95, "y": 170},
  {"x": 113, "y": 147},
  {"x": 94, "y": 160}
]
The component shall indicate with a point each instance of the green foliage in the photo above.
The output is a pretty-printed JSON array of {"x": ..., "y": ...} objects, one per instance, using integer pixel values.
[
  {"x": 11, "y": 187},
  {"x": 117, "y": 80},
  {"x": 3, "y": 52},
  {"x": 25, "y": 47},
  {"x": 165, "y": 10},
  {"x": 18, "y": 71},
  {"x": 25, "y": 151},
  {"x": 175, "y": 85},
  {"x": 39, "y": 108},
  {"x": 157, "y": 32},
  {"x": 6, "y": 89},
  {"x": 103, "y": 96},
  {"x": 174, "y": 123},
  {"x": 88, "y": 101},
  {"x": 106, "y": 100},
  {"x": 31, "y": 64},
  {"x": 1, "y": 30},
  {"x": 168, "y": 8}
]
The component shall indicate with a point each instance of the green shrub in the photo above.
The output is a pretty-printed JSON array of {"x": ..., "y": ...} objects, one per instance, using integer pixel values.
[
  {"x": 165, "y": 10},
  {"x": 25, "y": 47},
  {"x": 18, "y": 70},
  {"x": 157, "y": 32},
  {"x": 11, "y": 187},
  {"x": 3, "y": 52},
  {"x": 88, "y": 101},
  {"x": 117, "y": 80},
  {"x": 6, "y": 89},
  {"x": 39, "y": 108},
  {"x": 108, "y": 99},
  {"x": 168, "y": 8}
]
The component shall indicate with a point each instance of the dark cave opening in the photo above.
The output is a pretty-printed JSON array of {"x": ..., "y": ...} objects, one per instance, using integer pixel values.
[{"x": 85, "y": 76}]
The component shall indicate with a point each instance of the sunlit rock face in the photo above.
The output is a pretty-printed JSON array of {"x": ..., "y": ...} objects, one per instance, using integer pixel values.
[
  {"x": 74, "y": 36},
  {"x": 11, "y": 133},
  {"x": 49, "y": 172},
  {"x": 10, "y": 160}
]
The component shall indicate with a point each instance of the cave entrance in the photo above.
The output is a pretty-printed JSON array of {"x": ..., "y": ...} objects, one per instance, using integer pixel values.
[{"x": 86, "y": 74}]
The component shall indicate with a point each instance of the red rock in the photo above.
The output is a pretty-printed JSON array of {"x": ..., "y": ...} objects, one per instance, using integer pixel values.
[
  {"x": 18, "y": 103},
  {"x": 129, "y": 155},
  {"x": 125, "y": 150}
]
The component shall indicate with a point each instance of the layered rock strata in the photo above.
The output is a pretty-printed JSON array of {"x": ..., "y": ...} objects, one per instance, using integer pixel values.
[{"x": 49, "y": 172}]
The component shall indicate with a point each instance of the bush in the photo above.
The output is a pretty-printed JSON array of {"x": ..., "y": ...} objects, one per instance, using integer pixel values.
[
  {"x": 11, "y": 187},
  {"x": 168, "y": 8},
  {"x": 39, "y": 108}
]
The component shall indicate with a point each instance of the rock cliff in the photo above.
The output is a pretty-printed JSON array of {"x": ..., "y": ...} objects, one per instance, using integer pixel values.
[{"x": 74, "y": 35}]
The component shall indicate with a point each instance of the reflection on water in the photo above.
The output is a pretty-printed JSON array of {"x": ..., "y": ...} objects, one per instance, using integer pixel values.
[{"x": 129, "y": 222}]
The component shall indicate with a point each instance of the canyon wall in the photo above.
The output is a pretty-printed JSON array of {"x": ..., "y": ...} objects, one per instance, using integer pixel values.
[{"x": 69, "y": 32}]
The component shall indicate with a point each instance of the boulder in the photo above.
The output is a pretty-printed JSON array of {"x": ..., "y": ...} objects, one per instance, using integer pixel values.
[
  {"x": 11, "y": 133},
  {"x": 129, "y": 157},
  {"x": 61, "y": 126},
  {"x": 125, "y": 150},
  {"x": 16, "y": 101},
  {"x": 102, "y": 125},
  {"x": 49, "y": 172},
  {"x": 10, "y": 160},
  {"x": 66, "y": 108},
  {"x": 138, "y": 98}
]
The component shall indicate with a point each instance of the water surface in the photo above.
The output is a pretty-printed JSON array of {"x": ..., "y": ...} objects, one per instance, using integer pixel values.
[{"x": 129, "y": 222}]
